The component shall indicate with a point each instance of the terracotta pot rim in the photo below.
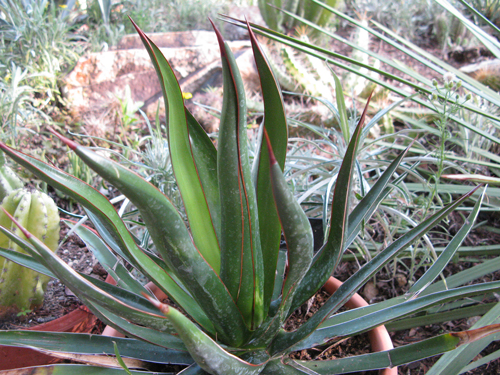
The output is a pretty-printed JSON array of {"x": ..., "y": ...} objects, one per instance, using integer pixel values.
[
  {"x": 379, "y": 336},
  {"x": 80, "y": 320},
  {"x": 12, "y": 357}
]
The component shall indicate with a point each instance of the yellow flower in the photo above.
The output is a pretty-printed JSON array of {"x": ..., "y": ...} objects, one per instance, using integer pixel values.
[{"x": 187, "y": 95}]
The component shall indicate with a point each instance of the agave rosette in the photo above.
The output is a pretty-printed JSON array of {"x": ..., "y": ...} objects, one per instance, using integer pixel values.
[{"x": 224, "y": 269}]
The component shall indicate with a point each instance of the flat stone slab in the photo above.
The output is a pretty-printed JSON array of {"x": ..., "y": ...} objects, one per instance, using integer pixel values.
[{"x": 101, "y": 78}]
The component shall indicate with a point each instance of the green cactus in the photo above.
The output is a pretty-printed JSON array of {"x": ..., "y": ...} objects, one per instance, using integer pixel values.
[
  {"x": 354, "y": 83},
  {"x": 20, "y": 287},
  {"x": 275, "y": 18},
  {"x": 299, "y": 72},
  {"x": 8, "y": 179}
]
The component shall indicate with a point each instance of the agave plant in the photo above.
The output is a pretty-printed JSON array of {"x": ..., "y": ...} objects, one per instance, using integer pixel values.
[{"x": 223, "y": 269}]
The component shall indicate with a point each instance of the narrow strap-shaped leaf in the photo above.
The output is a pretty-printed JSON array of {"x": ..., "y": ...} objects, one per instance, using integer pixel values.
[
  {"x": 205, "y": 155},
  {"x": 66, "y": 369},
  {"x": 149, "y": 335},
  {"x": 448, "y": 253},
  {"x": 401, "y": 355},
  {"x": 80, "y": 286},
  {"x": 109, "y": 223},
  {"x": 106, "y": 258},
  {"x": 285, "y": 340},
  {"x": 327, "y": 258},
  {"x": 130, "y": 329},
  {"x": 27, "y": 247},
  {"x": 92, "y": 344},
  {"x": 463, "y": 277},
  {"x": 433, "y": 317},
  {"x": 482, "y": 17},
  {"x": 342, "y": 109},
  {"x": 454, "y": 362},
  {"x": 276, "y": 126},
  {"x": 123, "y": 295},
  {"x": 209, "y": 355},
  {"x": 173, "y": 242},
  {"x": 24, "y": 260},
  {"x": 329, "y": 329},
  {"x": 372, "y": 199},
  {"x": 297, "y": 231},
  {"x": 183, "y": 163},
  {"x": 242, "y": 269}
]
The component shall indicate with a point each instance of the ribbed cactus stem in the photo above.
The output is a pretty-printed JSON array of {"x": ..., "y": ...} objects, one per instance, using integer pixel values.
[
  {"x": 8, "y": 179},
  {"x": 325, "y": 81},
  {"x": 301, "y": 73},
  {"x": 20, "y": 287},
  {"x": 354, "y": 83}
]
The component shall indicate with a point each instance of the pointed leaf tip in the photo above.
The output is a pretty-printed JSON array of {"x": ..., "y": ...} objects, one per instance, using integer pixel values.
[
  {"x": 272, "y": 159},
  {"x": 71, "y": 144},
  {"x": 133, "y": 23},
  {"x": 250, "y": 32},
  {"x": 161, "y": 306},
  {"x": 25, "y": 232},
  {"x": 363, "y": 115},
  {"x": 472, "y": 335},
  {"x": 220, "y": 39}
]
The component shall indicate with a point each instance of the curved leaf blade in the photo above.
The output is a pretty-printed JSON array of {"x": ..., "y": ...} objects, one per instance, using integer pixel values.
[
  {"x": 285, "y": 340},
  {"x": 173, "y": 242},
  {"x": 403, "y": 354},
  {"x": 445, "y": 257},
  {"x": 209, "y": 355},
  {"x": 327, "y": 258},
  {"x": 297, "y": 231},
  {"x": 105, "y": 217},
  {"x": 92, "y": 344},
  {"x": 242, "y": 269},
  {"x": 364, "y": 322},
  {"x": 183, "y": 162},
  {"x": 275, "y": 124}
]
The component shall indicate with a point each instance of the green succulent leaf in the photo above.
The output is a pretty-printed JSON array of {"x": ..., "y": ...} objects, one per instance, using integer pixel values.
[
  {"x": 401, "y": 355},
  {"x": 401, "y": 307},
  {"x": 93, "y": 344},
  {"x": 183, "y": 162},
  {"x": 132, "y": 330},
  {"x": 284, "y": 340},
  {"x": 275, "y": 124},
  {"x": 24, "y": 260},
  {"x": 110, "y": 225},
  {"x": 88, "y": 290},
  {"x": 297, "y": 231},
  {"x": 205, "y": 154},
  {"x": 209, "y": 355},
  {"x": 327, "y": 258},
  {"x": 106, "y": 258},
  {"x": 242, "y": 269},
  {"x": 173, "y": 242}
]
